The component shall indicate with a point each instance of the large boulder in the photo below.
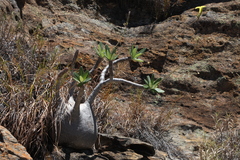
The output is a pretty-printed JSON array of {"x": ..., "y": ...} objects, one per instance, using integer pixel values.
[{"x": 10, "y": 148}]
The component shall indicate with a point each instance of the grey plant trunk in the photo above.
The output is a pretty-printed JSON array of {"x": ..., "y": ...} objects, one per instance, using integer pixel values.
[{"x": 78, "y": 128}]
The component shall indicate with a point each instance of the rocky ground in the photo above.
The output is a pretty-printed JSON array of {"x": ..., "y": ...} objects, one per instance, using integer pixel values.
[
  {"x": 10, "y": 148},
  {"x": 199, "y": 59}
]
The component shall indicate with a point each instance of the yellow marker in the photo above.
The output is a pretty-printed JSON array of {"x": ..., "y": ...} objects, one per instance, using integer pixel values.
[{"x": 200, "y": 10}]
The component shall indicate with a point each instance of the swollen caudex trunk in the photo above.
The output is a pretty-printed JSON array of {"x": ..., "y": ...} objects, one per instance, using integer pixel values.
[
  {"x": 78, "y": 125},
  {"x": 79, "y": 129}
]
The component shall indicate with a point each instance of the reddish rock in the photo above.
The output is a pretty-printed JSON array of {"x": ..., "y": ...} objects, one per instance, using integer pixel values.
[{"x": 10, "y": 148}]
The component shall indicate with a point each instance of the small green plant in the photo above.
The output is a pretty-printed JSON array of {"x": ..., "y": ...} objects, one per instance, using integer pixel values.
[
  {"x": 152, "y": 84},
  {"x": 104, "y": 51},
  {"x": 82, "y": 77},
  {"x": 135, "y": 54}
]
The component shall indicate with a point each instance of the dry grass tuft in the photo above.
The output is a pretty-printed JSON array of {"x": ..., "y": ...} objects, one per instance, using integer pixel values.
[
  {"x": 135, "y": 119},
  {"x": 224, "y": 143},
  {"x": 27, "y": 89}
]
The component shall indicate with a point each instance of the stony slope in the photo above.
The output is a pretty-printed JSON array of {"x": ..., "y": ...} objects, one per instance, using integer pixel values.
[{"x": 199, "y": 60}]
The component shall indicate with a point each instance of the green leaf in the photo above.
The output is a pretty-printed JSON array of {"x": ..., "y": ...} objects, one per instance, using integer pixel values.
[
  {"x": 142, "y": 50},
  {"x": 138, "y": 60},
  {"x": 149, "y": 81},
  {"x": 134, "y": 51},
  {"x": 76, "y": 76},
  {"x": 159, "y": 90},
  {"x": 145, "y": 86},
  {"x": 81, "y": 78},
  {"x": 137, "y": 55},
  {"x": 156, "y": 82},
  {"x": 146, "y": 81}
]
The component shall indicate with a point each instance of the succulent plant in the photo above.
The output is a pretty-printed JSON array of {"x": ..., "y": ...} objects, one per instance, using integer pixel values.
[
  {"x": 135, "y": 54},
  {"x": 152, "y": 84},
  {"x": 82, "y": 77}
]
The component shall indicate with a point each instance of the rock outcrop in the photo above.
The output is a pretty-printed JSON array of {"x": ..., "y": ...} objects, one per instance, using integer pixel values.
[
  {"x": 10, "y": 148},
  {"x": 112, "y": 147}
]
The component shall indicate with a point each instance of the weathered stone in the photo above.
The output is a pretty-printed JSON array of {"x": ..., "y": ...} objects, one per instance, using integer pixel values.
[
  {"x": 224, "y": 84},
  {"x": 182, "y": 82},
  {"x": 205, "y": 71},
  {"x": 112, "y": 147},
  {"x": 140, "y": 147},
  {"x": 122, "y": 155},
  {"x": 10, "y": 148},
  {"x": 159, "y": 155}
]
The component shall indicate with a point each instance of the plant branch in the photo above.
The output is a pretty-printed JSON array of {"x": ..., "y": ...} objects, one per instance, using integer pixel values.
[
  {"x": 74, "y": 60},
  {"x": 79, "y": 99},
  {"x": 96, "y": 65},
  {"x": 111, "y": 70},
  {"x": 74, "y": 83},
  {"x": 120, "y": 80},
  {"x": 102, "y": 78},
  {"x": 96, "y": 90}
]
